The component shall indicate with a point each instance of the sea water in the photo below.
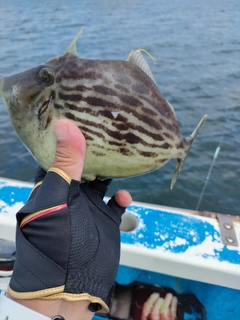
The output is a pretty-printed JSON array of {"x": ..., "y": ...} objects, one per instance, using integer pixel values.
[{"x": 196, "y": 45}]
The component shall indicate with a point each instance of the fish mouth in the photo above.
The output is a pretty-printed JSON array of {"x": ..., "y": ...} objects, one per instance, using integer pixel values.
[{"x": 44, "y": 112}]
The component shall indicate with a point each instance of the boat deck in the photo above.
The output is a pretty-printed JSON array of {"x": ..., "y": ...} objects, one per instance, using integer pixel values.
[{"x": 164, "y": 246}]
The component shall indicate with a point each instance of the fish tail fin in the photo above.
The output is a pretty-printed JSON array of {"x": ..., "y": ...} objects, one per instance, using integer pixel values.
[{"x": 180, "y": 161}]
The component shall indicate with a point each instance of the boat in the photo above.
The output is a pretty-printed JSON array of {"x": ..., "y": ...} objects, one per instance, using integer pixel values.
[{"x": 193, "y": 255}]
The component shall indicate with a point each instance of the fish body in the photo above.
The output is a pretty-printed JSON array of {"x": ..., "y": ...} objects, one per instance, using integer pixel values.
[{"x": 129, "y": 126}]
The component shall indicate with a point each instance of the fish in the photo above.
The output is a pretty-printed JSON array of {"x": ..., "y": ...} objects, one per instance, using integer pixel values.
[{"x": 130, "y": 128}]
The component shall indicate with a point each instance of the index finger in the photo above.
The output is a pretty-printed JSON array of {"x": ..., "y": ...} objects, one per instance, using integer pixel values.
[{"x": 123, "y": 198}]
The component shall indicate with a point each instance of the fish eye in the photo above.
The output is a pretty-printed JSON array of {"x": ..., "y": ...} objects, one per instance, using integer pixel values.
[{"x": 45, "y": 76}]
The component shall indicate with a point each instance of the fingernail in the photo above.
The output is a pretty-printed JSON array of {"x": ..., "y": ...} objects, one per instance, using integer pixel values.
[{"x": 61, "y": 130}]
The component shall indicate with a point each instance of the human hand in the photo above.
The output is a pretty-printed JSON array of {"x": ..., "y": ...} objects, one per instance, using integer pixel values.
[{"x": 68, "y": 239}]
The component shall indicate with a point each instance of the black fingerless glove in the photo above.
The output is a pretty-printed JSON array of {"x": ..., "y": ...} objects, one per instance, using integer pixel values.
[{"x": 68, "y": 242}]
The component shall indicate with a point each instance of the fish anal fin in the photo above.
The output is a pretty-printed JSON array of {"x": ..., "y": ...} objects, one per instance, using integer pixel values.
[{"x": 180, "y": 162}]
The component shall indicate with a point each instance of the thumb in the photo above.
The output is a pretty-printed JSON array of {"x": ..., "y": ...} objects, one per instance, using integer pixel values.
[{"x": 71, "y": 148}]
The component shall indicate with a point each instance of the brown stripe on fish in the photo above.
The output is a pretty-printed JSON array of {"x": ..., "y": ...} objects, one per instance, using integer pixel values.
[
  {"x": 104, "y": 90},
  {"x": 103, "y": 147},
  {"x": 130, "y": 137},
  {"x": 93, "y": 112},
  {"x": 99, "y": 102},
  {"x": 58, "y": 106},
  {"x": 103, "y": 102},
  {"x": 144, "y": 119},
  {"x": 154, "y": 136},
  {"x": 162, "y": 107},
  {"x": 91, "y": 100},
  {"x": 70, "y": 97},
  {"x": 167, "y": 135},
  {"x": 108, "y": 114},
  {"x": 72, "y": 70},
  {"x": 83, "y": 121},
  {"x": 121, "y": 120},
  {"x": 180, "y": 145},
  {"x": 126, "y": 152},
  {"x": 53, "y": 94},
  {"x": 131, "y": 101},
  {"x": 139, "y": 88},
  {"x": 140, "y": 129},
  {"x": 121, "y": 123},
  {"x": 172, "y": 127},
  {"x": 87, "y": 126},
  {"x": 74, "y": 107},
  {"x": 148, "y": 154},
  {"x": 98, "y": 154},
  {"x": 69, "y": 70},
  {"x": 123, "y": 116},
  {"x": 150, "y": 112},
  {"x": 78, "y": 87},
  {"x": 115, "y": 143},
  {"x": 91, "y": 75},
  {"x": 93, "y": 132},
  {"x": 122, "y": 79},
  {"x": 184, "y": 143},
  {"x": 97, "y": 88},
  {"x": 166, "y": 145},
  {"x": 164, "y": 160},
  {"x": 121, "y": 88},
  {"x": 101, "y": 107},
  {"x": 88, "y": 137}
]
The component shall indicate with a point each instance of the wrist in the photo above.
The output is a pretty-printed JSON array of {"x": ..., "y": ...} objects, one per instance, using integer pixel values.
[
  {"x": 13, "y": 310},
  {"x": 48, "y": 309}
]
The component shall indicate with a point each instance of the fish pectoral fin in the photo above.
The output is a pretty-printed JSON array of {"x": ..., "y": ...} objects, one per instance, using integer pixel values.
[
  {"x": 72, "y": 48},
  {"x": 44, "y": 119},
  {"x": 180, "y": 161},
  {"x": 137, "y": 58},
  {"x": 44, "y": 116}
]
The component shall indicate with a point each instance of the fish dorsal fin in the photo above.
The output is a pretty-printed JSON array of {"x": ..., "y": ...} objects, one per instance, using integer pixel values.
[
  {"x": 137, "y": 58},
  {"x": 72, "y": 47}
]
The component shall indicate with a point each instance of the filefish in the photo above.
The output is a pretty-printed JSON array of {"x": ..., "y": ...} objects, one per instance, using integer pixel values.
[{"x": 130, "y": 128}]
